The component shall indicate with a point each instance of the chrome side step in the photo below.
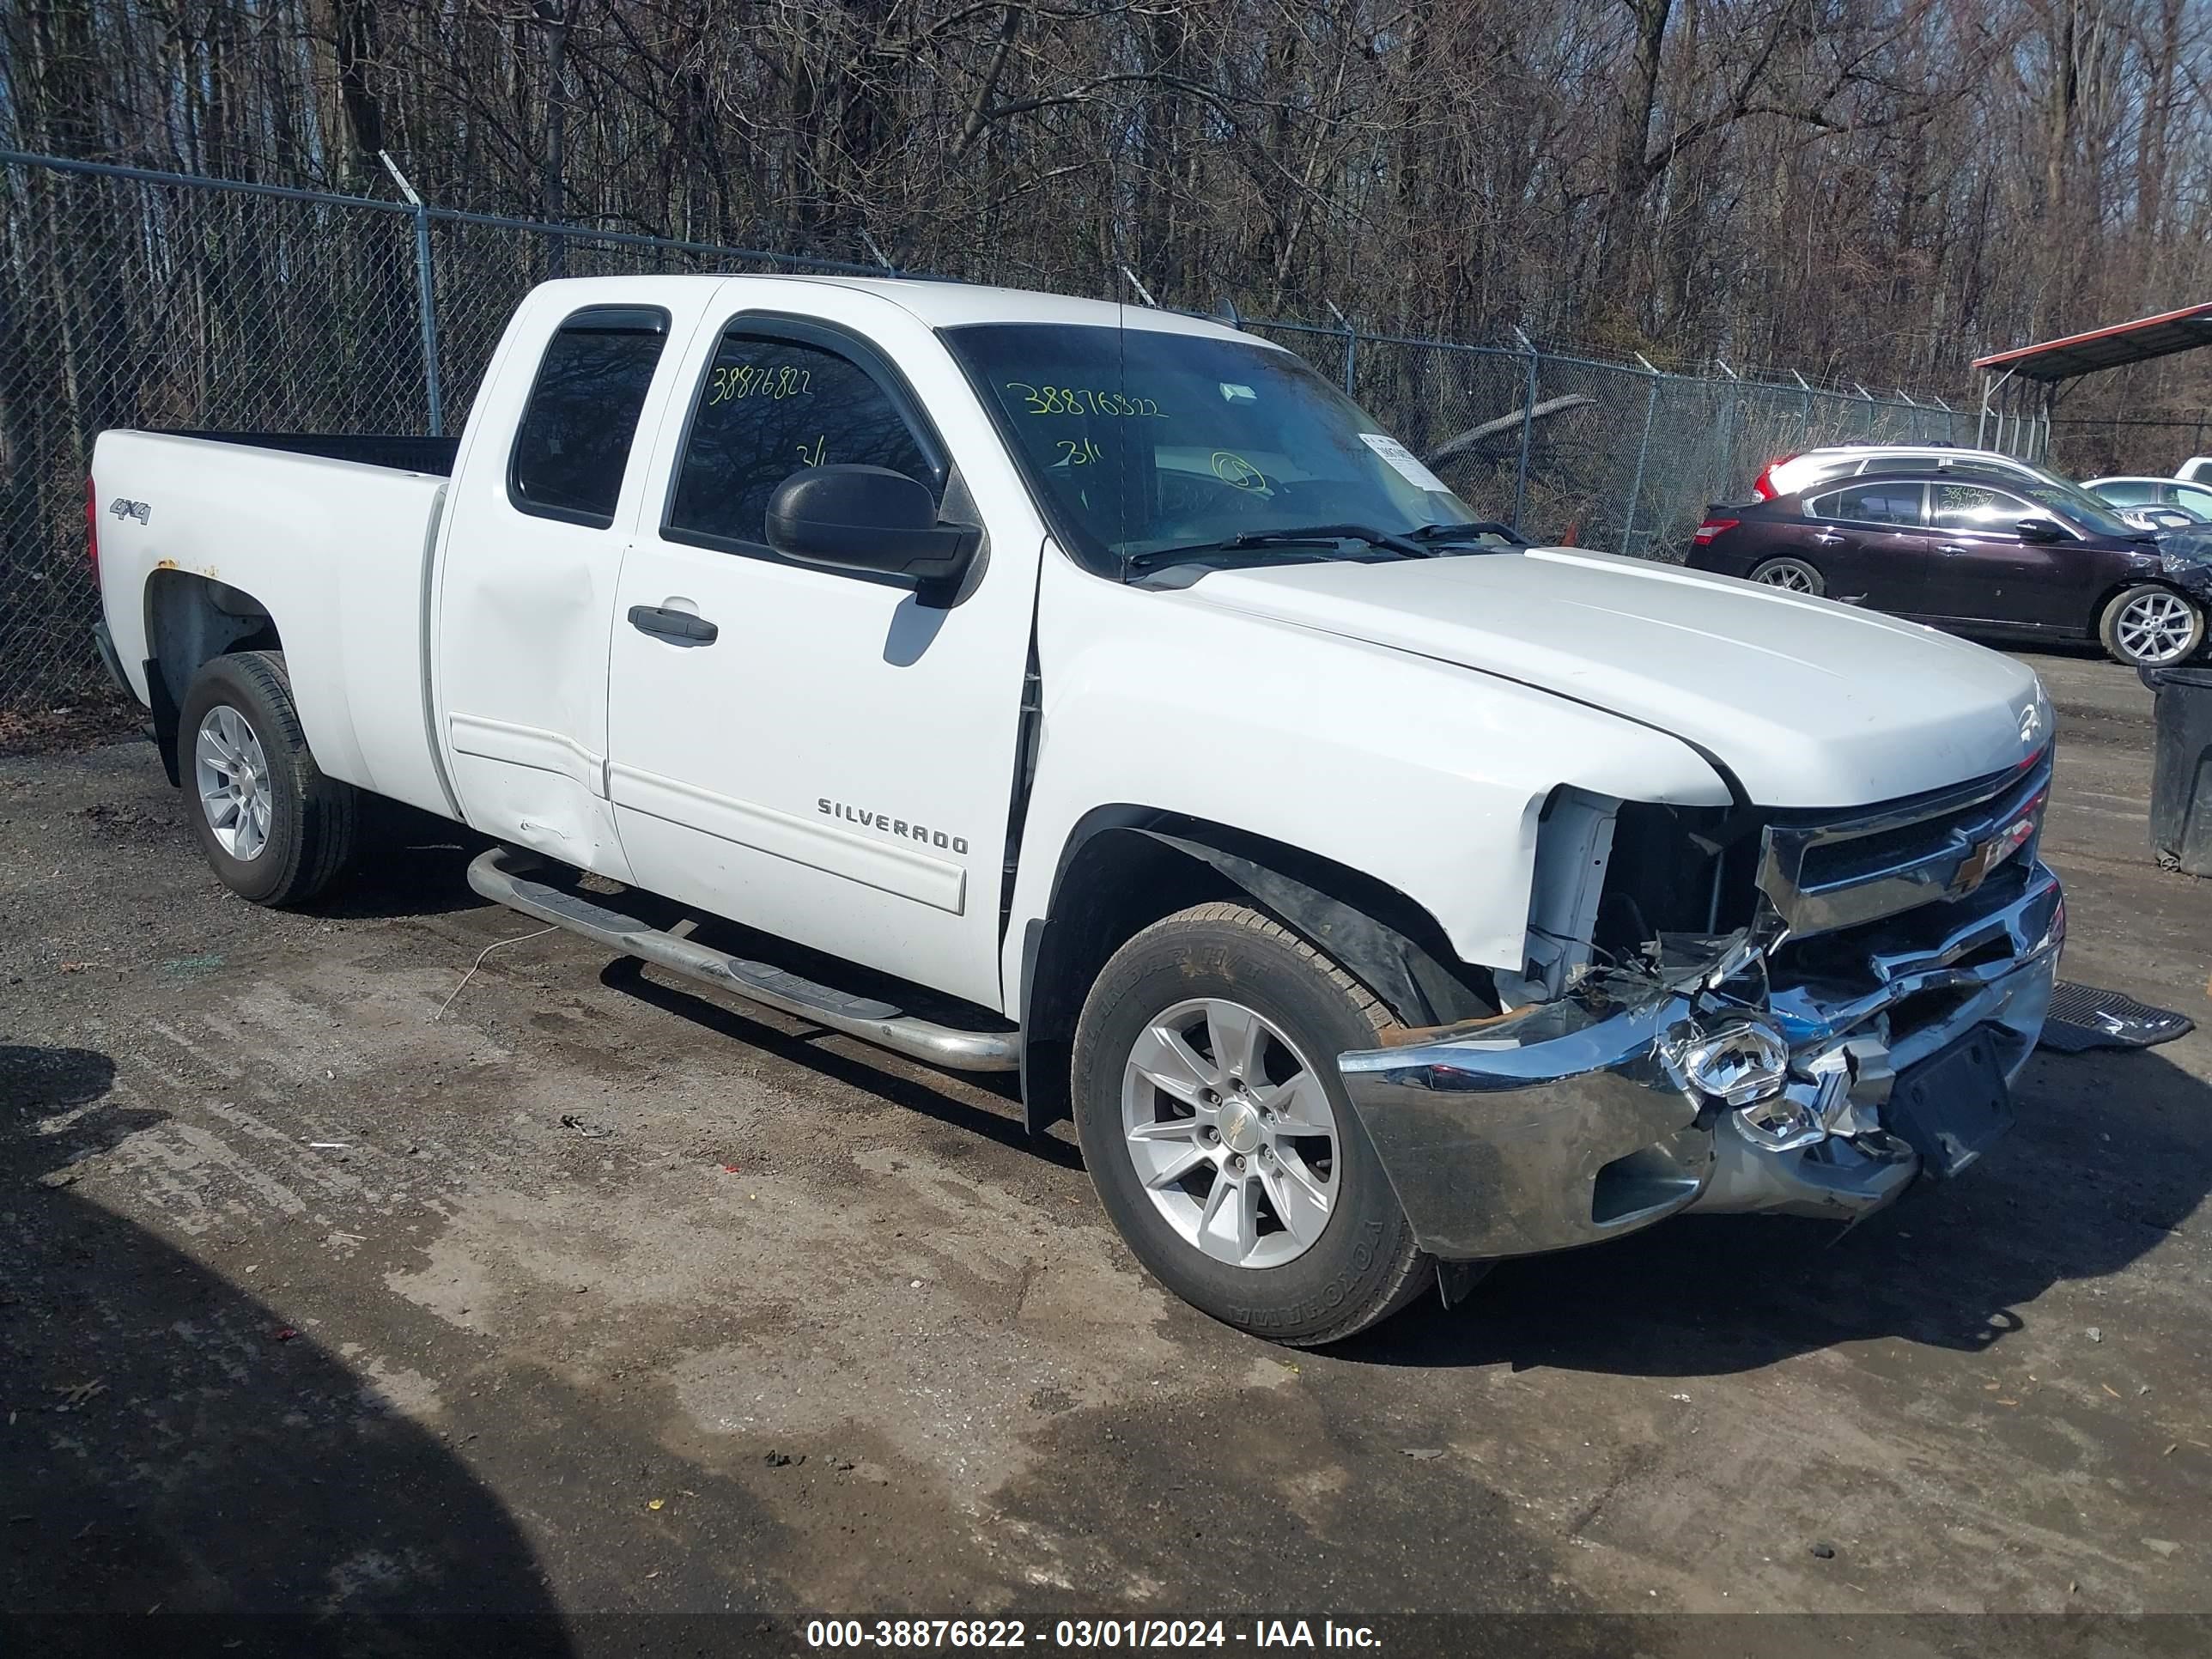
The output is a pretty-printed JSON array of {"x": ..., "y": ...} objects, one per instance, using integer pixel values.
[{"x": 499, "y": 876}]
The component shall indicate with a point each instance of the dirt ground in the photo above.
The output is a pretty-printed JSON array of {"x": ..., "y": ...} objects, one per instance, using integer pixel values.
[{"x": 335, "y": 1279}]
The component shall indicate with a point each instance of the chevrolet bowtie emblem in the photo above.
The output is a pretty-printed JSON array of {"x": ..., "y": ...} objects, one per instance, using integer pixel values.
[{"x": 1974, "y": 868}]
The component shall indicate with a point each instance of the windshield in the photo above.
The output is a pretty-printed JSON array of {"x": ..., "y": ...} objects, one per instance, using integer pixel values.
[
  {"x": 2079, "y": 505},
  {"x": 1143, "y": 442},
  {"x": 2047, "y": 488}
]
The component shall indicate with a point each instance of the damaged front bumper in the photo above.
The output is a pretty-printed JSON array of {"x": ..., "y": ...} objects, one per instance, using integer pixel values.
[{"x": 1628, "y": 1101}]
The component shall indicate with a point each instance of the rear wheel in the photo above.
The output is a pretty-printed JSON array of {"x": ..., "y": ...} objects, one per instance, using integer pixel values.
[
  {"x": 275, "y": 828},
  {"x": 1221, "y": 1139},
  {"x": 2148, "y": 626},
  {"x": 1794, "y": 574}
]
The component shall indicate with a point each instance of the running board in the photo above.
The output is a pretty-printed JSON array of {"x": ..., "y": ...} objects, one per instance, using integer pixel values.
[{"x": 499, "y": 875}]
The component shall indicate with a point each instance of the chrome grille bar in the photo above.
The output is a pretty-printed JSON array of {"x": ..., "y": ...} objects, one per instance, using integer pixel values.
[{"x": 1841, "y": 871}]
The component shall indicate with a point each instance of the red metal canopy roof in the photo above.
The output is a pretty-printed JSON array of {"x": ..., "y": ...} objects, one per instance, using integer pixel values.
[{"x": 2107, "y": 348}]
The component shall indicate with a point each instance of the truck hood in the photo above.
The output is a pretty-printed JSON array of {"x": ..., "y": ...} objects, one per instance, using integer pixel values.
[{"x": 1809, "y": 703}]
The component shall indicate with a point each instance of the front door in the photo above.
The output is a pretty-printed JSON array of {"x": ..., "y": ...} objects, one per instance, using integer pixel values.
[
  {"x": 1982, "y": 571},
  {"x": 819, "y": 754},
  {"x": 1867, "y": 543}
]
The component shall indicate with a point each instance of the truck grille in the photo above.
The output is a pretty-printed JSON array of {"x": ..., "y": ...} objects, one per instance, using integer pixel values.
[{"x": 1825, "y": 872}]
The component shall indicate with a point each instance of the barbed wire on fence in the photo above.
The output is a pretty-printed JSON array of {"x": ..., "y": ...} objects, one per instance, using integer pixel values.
[{"x": 130, "y": 298}]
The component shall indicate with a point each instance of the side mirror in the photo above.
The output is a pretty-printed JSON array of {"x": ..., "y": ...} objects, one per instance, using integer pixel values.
[
  {"x": 873, "y": 520},
  {"x": 2042, "y": 530}
]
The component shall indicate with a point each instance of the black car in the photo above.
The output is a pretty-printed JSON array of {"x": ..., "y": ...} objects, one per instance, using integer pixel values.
[{"x": 2016, "y": 557}]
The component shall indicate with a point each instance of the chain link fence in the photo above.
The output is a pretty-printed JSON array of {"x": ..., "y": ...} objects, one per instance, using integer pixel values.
[
  {"x": 2137, "y": 445},
  {"x": 137, "y": 299},
  {"x": 1622, "y": 458}
]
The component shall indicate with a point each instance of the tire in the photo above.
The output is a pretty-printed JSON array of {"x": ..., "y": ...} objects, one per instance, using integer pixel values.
[
  {"x": 280, "y": 836},
  {"x": 2148, "y": 626},
  {"x": 1347, "y": 1263},
  {"x": 1794, "y": 575}
]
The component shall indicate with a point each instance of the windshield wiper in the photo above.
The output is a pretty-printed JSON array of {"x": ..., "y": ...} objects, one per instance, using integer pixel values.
[
  {"x": 1314, "y": 533},
  {"x": 1475, "y": 530}
]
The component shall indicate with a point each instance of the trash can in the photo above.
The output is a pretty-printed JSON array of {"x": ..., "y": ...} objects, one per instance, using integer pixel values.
[{"x": 2181, "y": 769}]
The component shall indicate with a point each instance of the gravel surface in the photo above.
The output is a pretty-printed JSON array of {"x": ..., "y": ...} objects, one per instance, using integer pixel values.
[{"x": 331, "y": 1283}]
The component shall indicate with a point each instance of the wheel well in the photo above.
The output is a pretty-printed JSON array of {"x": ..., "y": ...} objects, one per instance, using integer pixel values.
[
  {"x": 1125, "y": 867},
  {"x": 191, "y": 620}
]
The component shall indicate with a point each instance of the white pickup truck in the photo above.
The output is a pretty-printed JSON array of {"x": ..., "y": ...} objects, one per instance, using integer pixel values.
[{"x": 1031, "y": 683}]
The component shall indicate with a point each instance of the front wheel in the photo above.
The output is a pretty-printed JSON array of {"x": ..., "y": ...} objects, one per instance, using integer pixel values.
[
  {"x": 1219, "y": 1136},
  {"x": 2148, "y": 626},
  {"x": 1794, "y": 575},
  {"x": 275, "y": 828}
]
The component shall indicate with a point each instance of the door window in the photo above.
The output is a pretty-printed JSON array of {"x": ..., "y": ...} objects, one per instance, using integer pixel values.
[
  {"x": 768, "y": 406},
  {"x": 2198, "y": 501},
  {"x": 1871, "y": 503},
  {"x": 575, "y": 439},
  {"x": 1977, "y": 506},
  {"x": 2128, "y": 492}
]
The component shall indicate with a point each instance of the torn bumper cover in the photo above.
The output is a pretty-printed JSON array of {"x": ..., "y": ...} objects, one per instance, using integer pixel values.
[{"x": 1631, "y": 1099}]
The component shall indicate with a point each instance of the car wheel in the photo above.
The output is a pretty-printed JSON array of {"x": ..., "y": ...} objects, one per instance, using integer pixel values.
[
  {"x": 275, "y": 828},
  {"x": 1219, "y": 1136},
  {"x": 1794, "y": 575},
  {"x": 2148, "y": 625}
]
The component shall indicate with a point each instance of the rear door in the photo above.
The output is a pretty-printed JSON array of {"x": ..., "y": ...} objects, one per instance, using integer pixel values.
[
  {"x": 822, "y": 756},
  {"x": 1981, "y": 570},
  {"x": 1868, "y": 542},
  {"x": 533, "y": 543}
]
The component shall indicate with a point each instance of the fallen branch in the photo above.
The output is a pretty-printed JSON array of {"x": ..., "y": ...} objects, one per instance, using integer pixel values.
[{"x": 1476, "y": 436}]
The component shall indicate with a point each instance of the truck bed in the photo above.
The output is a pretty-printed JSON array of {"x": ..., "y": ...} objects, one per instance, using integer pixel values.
[
  {"x": 403, "y": 451},
  {"x": 330, "y": 535}
]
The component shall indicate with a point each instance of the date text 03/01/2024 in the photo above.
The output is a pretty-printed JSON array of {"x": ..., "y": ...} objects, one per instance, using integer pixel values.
[{"x": 1085, "y": 1633}]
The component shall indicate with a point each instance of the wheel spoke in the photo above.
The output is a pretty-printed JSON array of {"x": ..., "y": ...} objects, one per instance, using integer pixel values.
[
  {"x": 1235, "y": 1035},
  {"x": 214, "y": 752},
  {"x": 1170, "y": 1065},
  {"x": 1176, "y": 1166},
  {"x": 1299, "y": 1106},
  {"x": 222, "y": 808},
  {"x": 1302, "y": 1204},
  {"x": 1247, "y": 1218},
  {"x": 1217, "y": 1200},
  {"x": 1229, "y": 1225}
]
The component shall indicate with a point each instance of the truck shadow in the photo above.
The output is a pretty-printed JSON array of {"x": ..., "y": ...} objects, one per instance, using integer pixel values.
[
  {"x": 411, "y": 864},
  {"x": 993, "y": 1112},
  {"x": 2110, "y": 1159},
  {"x": 176, "y": 1449}
]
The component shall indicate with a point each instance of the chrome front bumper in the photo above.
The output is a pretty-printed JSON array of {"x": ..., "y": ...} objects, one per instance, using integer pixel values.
[{"x": 1574, "y": 1121}]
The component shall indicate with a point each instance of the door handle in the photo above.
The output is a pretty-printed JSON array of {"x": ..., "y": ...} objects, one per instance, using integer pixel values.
[
  {"x": 1953, "y": 547},
  {"x": 1828, "y": 538},
  {"x": 680, "y": 626}
]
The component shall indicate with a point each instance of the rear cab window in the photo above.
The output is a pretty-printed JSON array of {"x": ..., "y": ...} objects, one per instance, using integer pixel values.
[{"x": 573, "y": 445}]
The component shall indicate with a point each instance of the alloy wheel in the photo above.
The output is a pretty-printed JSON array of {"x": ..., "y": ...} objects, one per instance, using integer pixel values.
[
  {"x": 231, "y": 773},
  {"x": 1230, "y": 1129},
  {"x": 1787, "y": 574},
  {"x": 2155, "y": 626}
]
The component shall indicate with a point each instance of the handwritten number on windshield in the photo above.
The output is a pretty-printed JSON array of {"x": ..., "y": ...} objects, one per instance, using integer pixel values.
[{"x": 1081, "y": 400}]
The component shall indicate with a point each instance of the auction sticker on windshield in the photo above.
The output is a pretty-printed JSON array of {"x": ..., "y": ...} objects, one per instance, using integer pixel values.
[{"x": 1408, "y": 465}]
